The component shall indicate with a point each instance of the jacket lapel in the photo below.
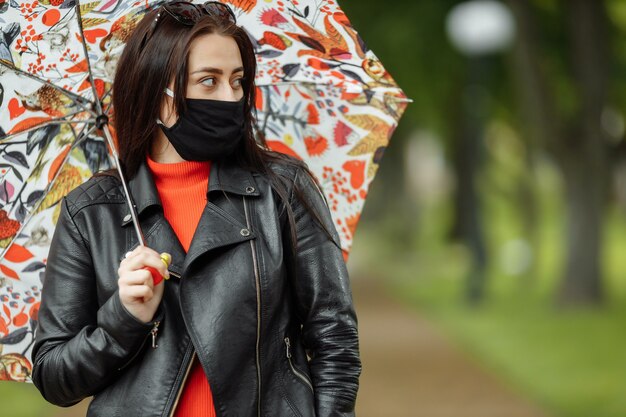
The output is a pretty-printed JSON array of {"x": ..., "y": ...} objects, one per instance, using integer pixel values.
[
  {"x": 222, "y": 222},
  {"x": 157, "y": 232},
  {"x": 215, "y": 230}
]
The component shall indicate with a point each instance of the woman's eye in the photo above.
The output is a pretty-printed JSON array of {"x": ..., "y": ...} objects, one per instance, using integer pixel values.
[
  {"x": 238, "y": 82},
  {"x": 209, "y": 82}
]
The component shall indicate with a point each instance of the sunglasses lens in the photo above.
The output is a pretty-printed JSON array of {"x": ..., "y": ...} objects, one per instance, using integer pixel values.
[
  {"x": 185, "y": 12},
  {"x": 189, "y": 13},
  {"x": 219, "y": 10}
]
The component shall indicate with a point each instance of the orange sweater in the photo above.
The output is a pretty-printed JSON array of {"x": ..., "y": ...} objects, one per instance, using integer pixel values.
[{"x": 182, "y": 187}]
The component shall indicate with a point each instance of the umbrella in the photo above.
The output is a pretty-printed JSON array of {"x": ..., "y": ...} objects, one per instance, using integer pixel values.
[{"x": 322, "y": 96}]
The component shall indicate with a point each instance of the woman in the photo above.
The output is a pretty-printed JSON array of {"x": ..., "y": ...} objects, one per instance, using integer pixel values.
[{"x": 256, "y": 318}]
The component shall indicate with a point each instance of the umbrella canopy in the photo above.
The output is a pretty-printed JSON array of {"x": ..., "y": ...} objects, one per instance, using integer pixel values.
[
  {"x": 325, "y": 98},
  {"x": 322, "y": 97}
]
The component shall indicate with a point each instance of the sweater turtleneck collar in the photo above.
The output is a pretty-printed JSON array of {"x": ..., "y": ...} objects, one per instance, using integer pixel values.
[{"x": 178, "y": 174}]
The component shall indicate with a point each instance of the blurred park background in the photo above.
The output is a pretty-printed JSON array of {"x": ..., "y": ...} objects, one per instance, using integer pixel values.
[
  {"x": 499, "y": 211},
  {"x": 497, "y": 223}
]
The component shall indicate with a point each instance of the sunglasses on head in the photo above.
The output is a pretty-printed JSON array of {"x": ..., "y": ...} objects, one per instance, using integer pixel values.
[{"x": 188, "y": 14}]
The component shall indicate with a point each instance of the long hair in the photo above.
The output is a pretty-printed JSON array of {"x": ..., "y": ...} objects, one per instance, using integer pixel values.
[{"x": 155, "y": 56}]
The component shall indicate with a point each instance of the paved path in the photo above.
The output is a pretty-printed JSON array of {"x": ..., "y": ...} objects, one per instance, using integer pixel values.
[{"x": 411, "y": 370}]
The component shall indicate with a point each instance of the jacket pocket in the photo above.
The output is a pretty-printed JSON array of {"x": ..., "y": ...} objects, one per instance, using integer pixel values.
[{"x": 300, "y": 375}]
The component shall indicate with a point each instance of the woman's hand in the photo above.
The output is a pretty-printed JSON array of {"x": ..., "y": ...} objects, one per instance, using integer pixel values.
[{"x": 137, "y": 291}]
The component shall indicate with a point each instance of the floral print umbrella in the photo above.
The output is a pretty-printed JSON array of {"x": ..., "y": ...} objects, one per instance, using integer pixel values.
[{"x": 322, "y": 97}]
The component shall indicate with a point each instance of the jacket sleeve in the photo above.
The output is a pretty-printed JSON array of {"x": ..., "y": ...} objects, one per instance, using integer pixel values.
[
  {"x": 79, "y": 346},
  {"x": 325, "y": 304}
]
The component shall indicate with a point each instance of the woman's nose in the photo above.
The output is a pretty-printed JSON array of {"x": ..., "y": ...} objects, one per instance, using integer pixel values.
[{"x": 227, "y": 93}]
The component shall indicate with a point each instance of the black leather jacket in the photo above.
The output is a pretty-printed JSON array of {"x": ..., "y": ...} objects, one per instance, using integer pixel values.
[{"x": 231, "y": 301}]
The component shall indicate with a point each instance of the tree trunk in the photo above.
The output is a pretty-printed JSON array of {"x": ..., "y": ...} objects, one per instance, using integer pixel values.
[
  {"x": 585, "y": 185},
  {"x": 537, "y": 120},
  {"x": 583, "y": 154},
  {"x": 467, "y": 150},
  {"x": 577, "y": 142}
]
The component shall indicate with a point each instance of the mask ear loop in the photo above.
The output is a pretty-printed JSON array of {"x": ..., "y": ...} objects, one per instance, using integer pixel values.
[{"x": 169, "y": 93}]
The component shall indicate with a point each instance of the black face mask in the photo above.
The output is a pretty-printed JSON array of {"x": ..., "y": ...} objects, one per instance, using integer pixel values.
[{"x": 209, "y": 130}]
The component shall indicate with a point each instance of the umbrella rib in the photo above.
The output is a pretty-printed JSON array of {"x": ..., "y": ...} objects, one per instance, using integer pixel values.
[
  {"x": 78, "y": 139},
  {"x": 99, "y": 111},
  {"x": 381, "y": 89},
  {"x": 96, "y": 99},
  {"x": 109, "y": 139},
  {"x": 59, "y": 121},
  {"x": 81, "y": 101}
]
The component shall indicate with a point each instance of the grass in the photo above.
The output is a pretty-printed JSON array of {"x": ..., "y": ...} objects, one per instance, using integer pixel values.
[{"x": 23, "y": 400}]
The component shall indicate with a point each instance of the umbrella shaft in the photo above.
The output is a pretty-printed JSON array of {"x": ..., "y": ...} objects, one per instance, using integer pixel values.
[{"x": 131, "y": 206}]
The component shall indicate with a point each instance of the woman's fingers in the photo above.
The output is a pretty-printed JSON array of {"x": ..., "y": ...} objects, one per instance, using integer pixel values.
[
  {"x": 142, "y": 257},
  {"x": 137, "y": 292},
  {"x": 138, "y": 277}
]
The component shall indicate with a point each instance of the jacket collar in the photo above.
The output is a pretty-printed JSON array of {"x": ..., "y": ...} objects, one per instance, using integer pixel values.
[
  {"x": 224, "y": 176},
  {"x": 214, "y": 229}
]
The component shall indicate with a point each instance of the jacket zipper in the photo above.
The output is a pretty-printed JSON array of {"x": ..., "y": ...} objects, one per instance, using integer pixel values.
[
  {"x": 153, "y": 333},
  {"x": 258, "y": 308},
  {"x": 296, "y": 372},
  {"x": 187, "y": 370},
  {"x": 182, "y": 384}
]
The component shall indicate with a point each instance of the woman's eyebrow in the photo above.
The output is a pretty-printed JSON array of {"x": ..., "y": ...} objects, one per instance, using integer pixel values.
[{"x": 218, "y": 71}]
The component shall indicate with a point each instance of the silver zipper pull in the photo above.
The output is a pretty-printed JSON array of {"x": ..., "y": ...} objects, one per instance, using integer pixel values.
[
  {"x": 154, "y": 331},
  {"x": 288, "y": 344}
]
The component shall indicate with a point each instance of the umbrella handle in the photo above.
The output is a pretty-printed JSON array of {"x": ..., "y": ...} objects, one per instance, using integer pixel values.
[
  {"x": 166, "y": 258},
  {"x": 156, "y": 276}
]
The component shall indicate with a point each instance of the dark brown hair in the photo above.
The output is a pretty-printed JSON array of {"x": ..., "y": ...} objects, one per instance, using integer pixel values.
[{"x": 150, "y": 60}]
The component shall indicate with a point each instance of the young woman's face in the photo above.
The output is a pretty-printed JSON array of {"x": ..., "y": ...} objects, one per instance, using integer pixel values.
[{"x": 215, "y": 71}]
